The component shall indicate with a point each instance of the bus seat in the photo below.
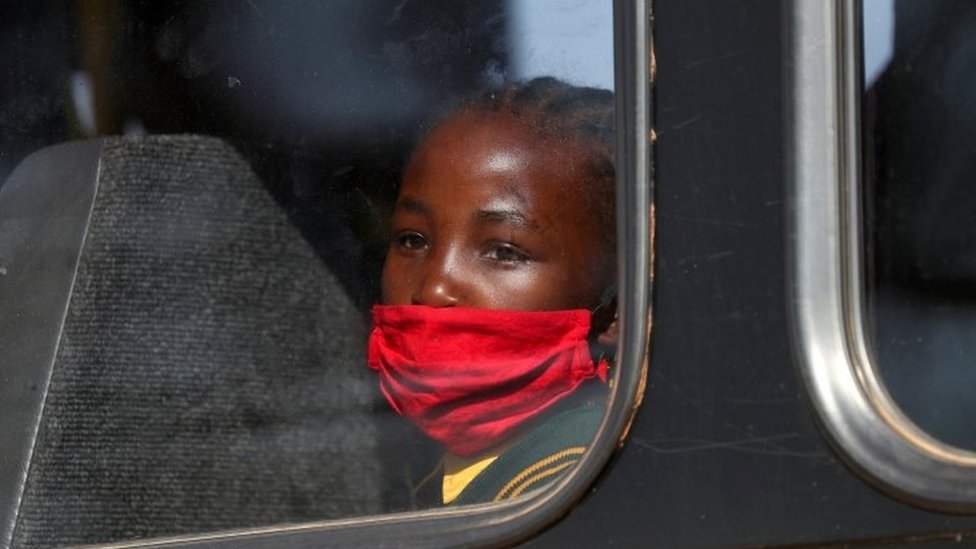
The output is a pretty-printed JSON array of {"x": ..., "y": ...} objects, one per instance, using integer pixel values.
[{"x": 175, "y": 358}]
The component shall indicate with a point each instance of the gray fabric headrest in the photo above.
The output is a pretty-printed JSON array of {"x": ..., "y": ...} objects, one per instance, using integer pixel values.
[{"x": 210, "y": 369}]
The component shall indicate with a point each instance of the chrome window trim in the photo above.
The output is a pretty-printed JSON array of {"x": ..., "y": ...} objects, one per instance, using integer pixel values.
[
  {"x": 847, "y": 392},
  {"x": 507, "y": 523}
]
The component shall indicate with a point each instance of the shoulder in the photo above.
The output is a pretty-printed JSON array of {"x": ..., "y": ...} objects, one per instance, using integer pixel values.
[{"x": 544, "y": 453}]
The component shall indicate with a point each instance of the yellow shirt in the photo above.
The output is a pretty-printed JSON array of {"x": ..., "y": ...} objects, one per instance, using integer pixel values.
[{"x": 460, "y": 471}]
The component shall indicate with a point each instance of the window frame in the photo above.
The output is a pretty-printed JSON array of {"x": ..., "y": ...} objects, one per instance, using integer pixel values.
[
  {"x": 843, "y": 383},
  {"x": 506, "y": 523}
]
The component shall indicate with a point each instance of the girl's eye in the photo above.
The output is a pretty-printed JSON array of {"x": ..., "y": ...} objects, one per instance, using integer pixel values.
[
  {"x": 506, "y": 253},
  {"x": 410, "y": 240}
]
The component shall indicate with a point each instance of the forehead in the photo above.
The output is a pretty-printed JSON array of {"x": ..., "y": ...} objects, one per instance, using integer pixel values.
[{"x": 478, "y": 156}]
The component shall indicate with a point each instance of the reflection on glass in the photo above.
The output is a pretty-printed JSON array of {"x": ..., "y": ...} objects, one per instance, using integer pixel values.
[
  {"x": 343, "y": 154},
  {"x": 919, "y": 126}
]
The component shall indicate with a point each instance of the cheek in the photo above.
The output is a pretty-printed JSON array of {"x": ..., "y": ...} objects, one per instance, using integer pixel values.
[
  {"x": 394, "y": 284},
  {"x": 580, "y": 280},
  {"x": 546, "y": 288},
  {"x": 518, "y": 290}
]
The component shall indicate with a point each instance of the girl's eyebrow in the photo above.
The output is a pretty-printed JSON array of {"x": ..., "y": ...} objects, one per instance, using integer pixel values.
[
  {"x": 413, "y": 206},
  {"x": 507, "y": 209},
  {"x": 510, "y": 217}
]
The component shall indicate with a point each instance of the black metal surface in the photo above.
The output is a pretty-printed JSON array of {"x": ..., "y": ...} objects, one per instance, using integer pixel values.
[{"x": 725, "y": 452}]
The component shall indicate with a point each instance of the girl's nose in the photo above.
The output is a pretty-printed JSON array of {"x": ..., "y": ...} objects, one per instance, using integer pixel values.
[{"x": 439, "y": 286}]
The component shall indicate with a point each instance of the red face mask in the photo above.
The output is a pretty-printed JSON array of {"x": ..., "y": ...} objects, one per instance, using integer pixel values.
[{"x": 469, "y": 378}]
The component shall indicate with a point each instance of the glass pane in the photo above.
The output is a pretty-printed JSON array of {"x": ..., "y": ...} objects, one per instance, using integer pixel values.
[
  {"x": 223, "y": 361},
  {"x": 919, "y": 127}
]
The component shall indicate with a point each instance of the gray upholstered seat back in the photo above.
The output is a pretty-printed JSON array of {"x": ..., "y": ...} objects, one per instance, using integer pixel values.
[{"x": 208, "y": 372}]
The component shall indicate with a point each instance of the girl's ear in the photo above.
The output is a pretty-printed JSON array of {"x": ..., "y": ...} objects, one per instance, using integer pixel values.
[{"x": 609, "y": 336}]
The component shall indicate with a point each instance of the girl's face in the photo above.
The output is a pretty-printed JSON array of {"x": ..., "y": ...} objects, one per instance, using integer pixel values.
[{"x": 491, "y": 216}]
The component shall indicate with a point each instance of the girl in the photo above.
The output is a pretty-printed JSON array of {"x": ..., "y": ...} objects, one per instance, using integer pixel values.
[{"x": 498, "y": 281}]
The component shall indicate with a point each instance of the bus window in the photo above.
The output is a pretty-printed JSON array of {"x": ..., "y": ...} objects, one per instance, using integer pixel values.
[
  {"x": 880, "y": 235},
  {"x": 919, "y": 123},
  {"x": 285, "y": 266}
]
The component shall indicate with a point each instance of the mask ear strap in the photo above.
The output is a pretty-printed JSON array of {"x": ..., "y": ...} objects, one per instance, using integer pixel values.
[{"x": 607, "y": 298}]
